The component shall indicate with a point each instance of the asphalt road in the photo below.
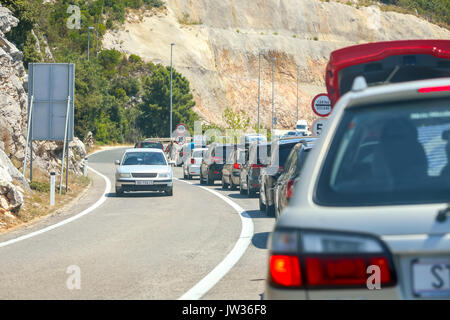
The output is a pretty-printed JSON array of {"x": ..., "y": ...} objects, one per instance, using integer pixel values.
[{"x": 141, "y": 246}]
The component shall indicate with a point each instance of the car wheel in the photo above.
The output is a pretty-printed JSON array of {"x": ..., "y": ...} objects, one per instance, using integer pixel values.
[
  {"x": 262, "y": 206},
  {"x": 169, "y": 192},
  {"x": 224, "y": 184},
  {"x": 189, "y": 177},
  {"x": 270, "y": 209},
  {"x": 209, "y": 181},
  {"x": 201, "y": 179},
  {"x": 232, "y": 185},
  {"x": 250, "y": 193},
  {"x": 241, "y": 189},
  {"x": 184, "y": 175},
  {"x": 119, "y": 192}
]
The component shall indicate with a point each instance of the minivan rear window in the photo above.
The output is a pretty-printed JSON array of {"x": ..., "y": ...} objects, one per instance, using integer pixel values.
[{"x": 396, "y": 153}]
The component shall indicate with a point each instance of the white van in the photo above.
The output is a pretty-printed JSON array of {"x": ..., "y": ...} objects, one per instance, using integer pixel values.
[{"x": 302, "y": 127}]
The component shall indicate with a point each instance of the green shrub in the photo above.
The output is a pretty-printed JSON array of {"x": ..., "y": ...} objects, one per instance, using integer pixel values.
[{"x": 40, "y": 186}]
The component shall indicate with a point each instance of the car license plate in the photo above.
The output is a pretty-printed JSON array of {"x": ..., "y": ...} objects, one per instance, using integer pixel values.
[
  {"x": 144, "y": 182},
  {"x": 431, "y": 277}
]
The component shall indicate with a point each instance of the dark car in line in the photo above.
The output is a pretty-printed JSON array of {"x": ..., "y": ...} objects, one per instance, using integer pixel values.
[
  {"x": 257, "y": 157},
  {"x": 213, "y": 161},
  {"x": 292, "y": 169},
  {"x": 149, "y": 144},
  {"x": 269, "y": 175},
  {"x": 232, "y": 168}
]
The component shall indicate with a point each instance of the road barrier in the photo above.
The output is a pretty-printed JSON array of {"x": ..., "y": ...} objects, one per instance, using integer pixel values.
[{"x": 52, "y": 189}]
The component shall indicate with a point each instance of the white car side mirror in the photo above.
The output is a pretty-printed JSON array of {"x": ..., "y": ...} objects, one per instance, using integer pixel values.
[{"x": 117, "y": 162}]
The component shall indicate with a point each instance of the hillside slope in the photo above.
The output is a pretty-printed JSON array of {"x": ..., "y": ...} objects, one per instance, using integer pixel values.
[{"x": 217, "y": 47}]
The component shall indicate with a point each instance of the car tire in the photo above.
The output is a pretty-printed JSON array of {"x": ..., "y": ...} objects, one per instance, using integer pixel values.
[
  {"x": 262, "y": 206},
  {"x": 119, "y": 192},
  {"x": 224, "y": 184},
  {"x": 189, "y": 177},
  {"x": 209, "y": 181},
  {"x": 232, "y": 185},
  {"x": 201, "y": 179},
  {"x": 250, "y": 193},
  {"x": 270, "y": 209},
  {"x": 169, "y": 192}
]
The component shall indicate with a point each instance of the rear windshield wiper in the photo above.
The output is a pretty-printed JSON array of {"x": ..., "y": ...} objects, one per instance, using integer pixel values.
[{"x": 443, "y": 214}]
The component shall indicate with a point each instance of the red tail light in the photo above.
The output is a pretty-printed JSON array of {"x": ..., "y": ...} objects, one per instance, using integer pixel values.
[
  {"x": 285, "y": 270},
  {"x": 434, "y": 89},
  {"x": 343, "y": 271},
  {"x": 237, "y": 166},
  {"x": 192, "y": 161},
  {"x": 257, "y": 166},
  {"x": 290, "y": 186}
]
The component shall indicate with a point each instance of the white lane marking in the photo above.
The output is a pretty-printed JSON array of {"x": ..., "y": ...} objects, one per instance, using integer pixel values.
[
  {"x": 212, "y": 278},
  {"x": 71, "y": 219}
]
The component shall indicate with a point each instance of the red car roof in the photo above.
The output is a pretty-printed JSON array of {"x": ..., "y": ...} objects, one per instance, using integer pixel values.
[{"x": 369, "y": 52}]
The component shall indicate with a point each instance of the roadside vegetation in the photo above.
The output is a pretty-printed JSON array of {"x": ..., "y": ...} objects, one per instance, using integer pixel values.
[
  {"x": 37, "y": 201},
  {"x": 435, "y": 11},
  {"x": 117, "y": 96}
]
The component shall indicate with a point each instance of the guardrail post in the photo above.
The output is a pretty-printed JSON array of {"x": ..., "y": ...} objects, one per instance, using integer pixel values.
[
  {"x": 85, "y": 166},
  {"x": 52, "y": 188}
]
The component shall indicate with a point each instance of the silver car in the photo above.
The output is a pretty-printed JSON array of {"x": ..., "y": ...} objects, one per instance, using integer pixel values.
[
  {"x": 191, "y": 167},
  {"x": 144, "y": 170},
  {"x": 370, "y": 216}
]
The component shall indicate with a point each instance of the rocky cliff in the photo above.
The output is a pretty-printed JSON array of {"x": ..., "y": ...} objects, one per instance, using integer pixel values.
[
  {"x": 217, "y": 46},
  {"x": 13, "y": 126}
]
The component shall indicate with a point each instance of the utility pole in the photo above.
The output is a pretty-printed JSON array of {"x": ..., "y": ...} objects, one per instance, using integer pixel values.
[
  {"x": 297, "y": 91},
  {"x": 89, "y": 39},
  {"x": 259, "y": 89},
  {"x": 171, "y": 77},
  {"x": 273, "y": 92}
]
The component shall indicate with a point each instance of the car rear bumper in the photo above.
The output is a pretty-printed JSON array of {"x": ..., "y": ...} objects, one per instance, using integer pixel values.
[
  {"x": 194, "y": 170},
  {"x": 272, "y": 293},
  {"x": 130, "y": 185}
]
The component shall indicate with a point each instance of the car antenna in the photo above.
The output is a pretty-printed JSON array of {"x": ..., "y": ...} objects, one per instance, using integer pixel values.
[{"x": 443, "y": 214}]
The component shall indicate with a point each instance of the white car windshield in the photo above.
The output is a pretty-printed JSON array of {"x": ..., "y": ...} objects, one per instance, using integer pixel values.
[
  {"x": 391, "y": 154},
  {"x": 144, "y": 159}
]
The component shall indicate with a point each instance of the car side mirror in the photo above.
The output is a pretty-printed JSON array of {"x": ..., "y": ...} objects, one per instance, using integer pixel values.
[{"x": 117, "y": 162}]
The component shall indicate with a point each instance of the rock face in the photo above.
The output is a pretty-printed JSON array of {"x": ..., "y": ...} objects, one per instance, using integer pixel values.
[
  {"x": 13, "y": 109},
  {"x": 11, "y": 195},
  {"x": 219, "y": 55},
  {"x": 13, "y": 127}
]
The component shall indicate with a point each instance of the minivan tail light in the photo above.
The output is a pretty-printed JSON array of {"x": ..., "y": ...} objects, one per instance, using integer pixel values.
[
  {"x": 257, "y": 166},
  {"x": 192, "y": 161},
  {"x": 285, "y": 270},
  {"x": 237, "y": 166},
  {"x": 324, "y": 271},
  {"x": 331, "y": 260},
  {"x": 290, "y": 186},
  {"x": 434, "y": 89}
]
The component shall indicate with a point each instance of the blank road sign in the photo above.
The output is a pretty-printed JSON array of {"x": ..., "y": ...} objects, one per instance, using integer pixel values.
[{"x": 51, "y": 84}]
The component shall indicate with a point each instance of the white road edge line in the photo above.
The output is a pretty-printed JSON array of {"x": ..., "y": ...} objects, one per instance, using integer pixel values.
[
  {"x": 71, "y": 219},
  {"x": 212, "y": 278}
]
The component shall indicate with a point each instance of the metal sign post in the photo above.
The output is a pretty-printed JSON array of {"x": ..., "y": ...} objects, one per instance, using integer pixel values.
[
  {"x": 28, "y": 135},
  {"x": 64, "y": 149}
]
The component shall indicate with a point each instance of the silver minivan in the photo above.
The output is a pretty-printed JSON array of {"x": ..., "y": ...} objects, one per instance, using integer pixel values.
[{"x": 370, "y": 216}]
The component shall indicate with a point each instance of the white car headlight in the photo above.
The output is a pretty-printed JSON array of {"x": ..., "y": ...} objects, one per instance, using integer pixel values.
[
  {"x": 164, "y": 175},
  {"x": 125, "y": 175}
]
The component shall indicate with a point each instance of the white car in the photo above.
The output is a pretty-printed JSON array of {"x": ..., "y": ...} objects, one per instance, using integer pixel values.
[
  {"x": 191, "y": 167},
  {"x": 370, "y": 216},
  {"x": 144, "y": 169}
]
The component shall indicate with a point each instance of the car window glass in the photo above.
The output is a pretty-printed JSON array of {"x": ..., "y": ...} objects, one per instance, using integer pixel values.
[
  {"x": 144, "y": 158},
  {"x": 397, "y": 153}
]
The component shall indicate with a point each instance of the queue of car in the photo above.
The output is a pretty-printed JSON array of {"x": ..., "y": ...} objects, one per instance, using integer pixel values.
[{"x": 363, "y": 211}]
